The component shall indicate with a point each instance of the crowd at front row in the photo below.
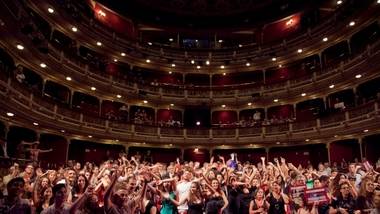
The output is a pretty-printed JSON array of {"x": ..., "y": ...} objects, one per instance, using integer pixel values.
[{"x": 230, "y": 187}]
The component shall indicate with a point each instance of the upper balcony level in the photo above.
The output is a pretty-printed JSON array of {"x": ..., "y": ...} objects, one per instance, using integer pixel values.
[{"x": 90, "y": 33}]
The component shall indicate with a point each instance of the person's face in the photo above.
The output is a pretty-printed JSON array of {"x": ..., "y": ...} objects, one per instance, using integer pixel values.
[
  {"x": 211, "y": 175},
  {"x": 52, "y": 176},
  {"x": 17, "y": 188},
  {"x": 77, "y": 166},
  {"x": 120, "y": 196},
  {"x": 345, "y": 190},
  {"x": 193, "y": 187},
  {"x": 334, "y": 174},
  {"x": 87, "y": 175},
  {"x": 29, "y": 169},
  {"x": 376, "y": 199},
  {"x": 276, "y": 187},
  {"x": 186, "y": 175},
  {"x": 81, "y": 182},
  {"x": 48, "y": 193},
  {"x": 71, "y": 175},
  {"x": 351, "y": 168},
  {"x": 129, "y": 170},
  {"x": 260, "y": 193},
  {"x": 131, "y": 184},
  {"x": 44, "y": 182},
  {"x": 215, "y": 184},
  {"x": 369, "y": 186},
  {"x": 61, "y": 195},
  {"x": 321, "y": 167},
  {"x": 317, "y": 184},
  {"x": 219, "y": 177},
  {"x": 96, "y": 170}
]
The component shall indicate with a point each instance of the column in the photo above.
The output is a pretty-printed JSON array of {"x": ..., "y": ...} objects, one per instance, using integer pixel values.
[
  {"x": 267, "y": 153},
  {"x": 328, "y": 152},
  {"x": 360, "y": 141}
]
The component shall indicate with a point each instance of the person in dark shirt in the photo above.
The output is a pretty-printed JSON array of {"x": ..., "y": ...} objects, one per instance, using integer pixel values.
[
  {"x": 13, "y": 203},
  {"x": 345, "y": 203}
]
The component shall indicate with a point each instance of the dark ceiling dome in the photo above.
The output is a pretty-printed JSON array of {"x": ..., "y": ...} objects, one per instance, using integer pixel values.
[{"x": 209, "y": 13}]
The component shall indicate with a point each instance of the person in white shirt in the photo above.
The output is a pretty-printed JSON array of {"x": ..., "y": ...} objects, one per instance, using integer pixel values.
[{"x": 183, "y": 188}]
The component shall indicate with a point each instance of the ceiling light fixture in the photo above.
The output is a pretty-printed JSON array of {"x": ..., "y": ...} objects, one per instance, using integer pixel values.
[
  {"x": 352, "y": 23},
  {"x": 358, "y": 76},
  {"x": 171, "y": 39},
  {"x": 20, "y": 47},
  {"x": 325, "y": 39},
  {"x": 247, "y": 64},
  {"x": 339, "y": 2},
  {"x": 274, "y": 59},
  {"x": 145, "y": 101},
  {"x": 192, "y": 61},
  {"x": 170, "y": 72},
  {"x": 74, "y": 29},
  {"x": 303, "y": 94},
  {"x": 118, "y": 96},
  {"x": 50, "y": 10},
  {"x": 249, "y": 104},
  {"x": 207, "y": 62},
  {"x": 275, "y": 100},
  {"x": 98, "y": 43},
  {"x": 149, "y": 43},
  {"x": 68, "y": 78},
  {"x": 115, "y": 60},
  {"x": 222, "y": 67},
  {"x": 223, "y": 106},
  {"x": 299, "y": 50},
  {"x": 10, "y": 114},
  {"x": 36, "y": 124},
  {"x": 332, "y": 86},
  {"x": 147, "y": 60},
  {"x": 93, "y": 88},
  {"x": 43, "y": 65},
  {"x": 122, "y": 54},
  {"x": 171, "y": 104},
  {"x": 198, "y": 67},
  {"x": 173, "y": 65}
]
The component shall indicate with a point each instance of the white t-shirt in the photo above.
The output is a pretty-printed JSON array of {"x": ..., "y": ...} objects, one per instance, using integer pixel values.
[{"x": 183, "y": 189}]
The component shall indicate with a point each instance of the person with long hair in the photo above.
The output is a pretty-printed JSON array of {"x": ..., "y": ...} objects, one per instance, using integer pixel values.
[
  {"x": 258, "y": 203},
  {"x": 194, "y": 199},
  {"x": 216, "y": 200},
  {"x": 45, "y": 199},
  {"x": 79, "y": 187},
  {"x": 365, "y": 198}
]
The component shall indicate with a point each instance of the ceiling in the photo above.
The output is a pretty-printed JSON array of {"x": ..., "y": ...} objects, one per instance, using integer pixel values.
[{"x": 210, "y": 13}]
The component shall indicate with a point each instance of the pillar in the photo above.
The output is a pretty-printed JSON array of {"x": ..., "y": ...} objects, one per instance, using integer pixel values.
[
  {"x": 328, "y": 152},
  {"x": 360, "y": 141}
]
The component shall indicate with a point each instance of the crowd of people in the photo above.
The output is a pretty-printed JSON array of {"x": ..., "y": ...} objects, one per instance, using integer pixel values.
[{"x": 128, "y": 185}]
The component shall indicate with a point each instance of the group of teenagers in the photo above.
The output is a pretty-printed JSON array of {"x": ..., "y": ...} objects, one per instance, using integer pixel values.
[{"x": 128, "y": 185}]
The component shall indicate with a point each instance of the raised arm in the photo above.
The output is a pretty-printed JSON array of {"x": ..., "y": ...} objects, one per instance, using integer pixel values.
[{"x": 107, "y": 196}]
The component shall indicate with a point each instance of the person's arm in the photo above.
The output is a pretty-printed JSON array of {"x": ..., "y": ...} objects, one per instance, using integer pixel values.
[
  {"x": 80, "y": 201},
  {"x": 225, "y": 200},
  {"x": 36, "y": 186},
  {"x": 107, "y": 196},
  {"x": 180, "y": 202}
]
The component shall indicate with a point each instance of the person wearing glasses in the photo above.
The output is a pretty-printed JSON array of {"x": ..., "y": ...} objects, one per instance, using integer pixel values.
[{"x": 345, "y": 202}]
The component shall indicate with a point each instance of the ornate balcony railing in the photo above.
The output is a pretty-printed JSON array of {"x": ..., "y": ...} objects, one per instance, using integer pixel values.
[{"x": 37, "y": 108}]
